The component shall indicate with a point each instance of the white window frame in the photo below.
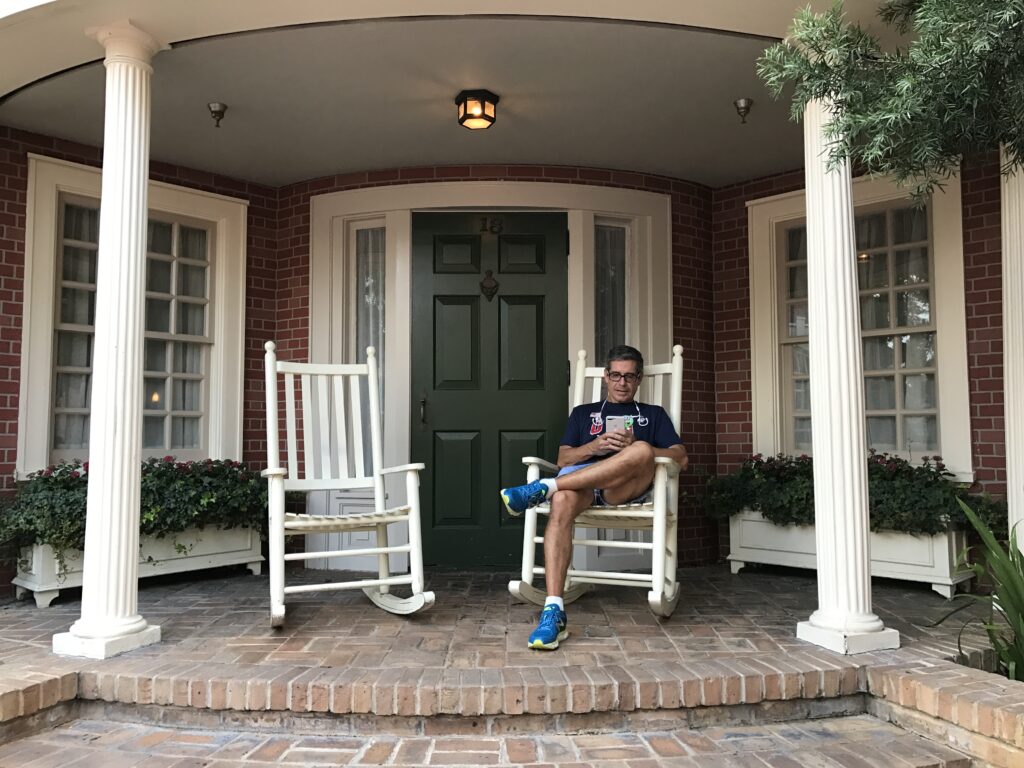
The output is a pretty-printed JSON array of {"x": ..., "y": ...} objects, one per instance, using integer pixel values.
[
  {"x": 765, "y": 217},
  {"x": 48, "y": 181}
]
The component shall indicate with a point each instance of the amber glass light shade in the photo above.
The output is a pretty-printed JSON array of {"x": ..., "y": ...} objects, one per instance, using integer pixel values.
[{"x": 477, "y": 109}]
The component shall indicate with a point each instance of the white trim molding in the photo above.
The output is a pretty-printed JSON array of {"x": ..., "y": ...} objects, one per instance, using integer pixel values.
[
  {"x": 649, "y": 309},
  {"x": 650, "y": 291},
  {"x": 1012, "y": 196},
  {"x": 764, "y": 218},
  {"x": 48, "y": 180}
]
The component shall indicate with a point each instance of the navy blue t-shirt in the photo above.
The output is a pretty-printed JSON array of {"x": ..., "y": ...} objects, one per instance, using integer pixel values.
[{"x": 650, "y": 423}]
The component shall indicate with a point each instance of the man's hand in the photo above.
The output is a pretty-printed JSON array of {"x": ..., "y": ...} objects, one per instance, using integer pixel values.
[{"x": 613, "y": 442}]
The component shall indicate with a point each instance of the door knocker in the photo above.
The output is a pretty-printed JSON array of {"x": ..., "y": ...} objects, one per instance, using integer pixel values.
[{"x": 489, "y": 286}]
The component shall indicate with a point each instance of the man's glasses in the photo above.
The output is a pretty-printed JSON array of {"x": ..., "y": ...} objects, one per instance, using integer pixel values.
[{"x": 629, "y": 378}]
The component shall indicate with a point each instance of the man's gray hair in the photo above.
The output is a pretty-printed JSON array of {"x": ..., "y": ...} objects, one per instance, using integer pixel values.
[{"x": 624, "y": 352}]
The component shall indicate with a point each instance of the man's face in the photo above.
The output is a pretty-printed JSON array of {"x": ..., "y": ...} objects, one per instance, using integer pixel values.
[{"x": 623, "y": 390}]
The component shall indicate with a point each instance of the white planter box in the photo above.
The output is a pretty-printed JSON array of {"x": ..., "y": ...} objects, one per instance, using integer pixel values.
[
  {"x": 189, "y": 550},
  {"x": 931, "y": 559}
]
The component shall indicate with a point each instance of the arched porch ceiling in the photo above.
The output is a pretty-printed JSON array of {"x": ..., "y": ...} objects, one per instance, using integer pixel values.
[{"x": 335, "y": 96}]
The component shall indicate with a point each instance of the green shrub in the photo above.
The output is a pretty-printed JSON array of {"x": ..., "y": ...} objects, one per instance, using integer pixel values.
[
  {"x": 49, "y": 507},
  {"x": 903, "y": 497}
]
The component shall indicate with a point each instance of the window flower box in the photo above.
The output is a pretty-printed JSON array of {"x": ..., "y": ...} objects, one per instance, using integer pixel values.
[
  {"x": 917, "y": 525},
  {"x": 928, "y": 558},
  {"x": 192, "y": 515},
  {"x": 40, "y": 572}
]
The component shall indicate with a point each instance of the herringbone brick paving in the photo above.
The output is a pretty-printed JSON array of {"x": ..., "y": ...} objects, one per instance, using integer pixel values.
[
  {"x": 383, "y": 680},
  {"x": 851, "y": 742},
  {"x": 475, "y": 624}
]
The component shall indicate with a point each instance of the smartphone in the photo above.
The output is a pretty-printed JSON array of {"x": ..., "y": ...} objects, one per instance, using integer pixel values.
[{"x": 615, "y": 423}]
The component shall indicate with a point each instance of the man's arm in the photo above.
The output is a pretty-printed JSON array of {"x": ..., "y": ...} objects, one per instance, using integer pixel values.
[
  {"x": 607, "y": 443},
  {"x": 677, "y": 453}
]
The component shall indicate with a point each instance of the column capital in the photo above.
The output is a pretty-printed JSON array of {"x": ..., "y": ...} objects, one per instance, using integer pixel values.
[{"x": 125, "y": 41}]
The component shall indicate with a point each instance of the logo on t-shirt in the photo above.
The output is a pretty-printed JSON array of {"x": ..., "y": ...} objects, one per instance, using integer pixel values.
[{"x": 596, "y": 423}]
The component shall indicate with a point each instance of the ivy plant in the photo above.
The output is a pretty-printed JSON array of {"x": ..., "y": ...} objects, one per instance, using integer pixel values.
[{"x": 50, "y": 507}]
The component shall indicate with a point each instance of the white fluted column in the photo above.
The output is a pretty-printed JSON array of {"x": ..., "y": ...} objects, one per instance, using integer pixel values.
[
  {"x": 1013, "y": 342},
  {"x": 110, "y": 622},
  {"x": 844, "y": 621}
]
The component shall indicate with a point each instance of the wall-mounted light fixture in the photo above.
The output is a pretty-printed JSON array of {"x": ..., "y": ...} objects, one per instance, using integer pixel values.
[
  {"x": 217, "y": 111},
  {"x": 477, "y": 109},
  {"x": 743, "y": 108}
]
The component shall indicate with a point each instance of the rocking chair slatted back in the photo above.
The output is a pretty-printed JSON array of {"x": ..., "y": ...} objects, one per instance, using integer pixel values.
[
  {"x": 324, "y": 413},
  {"x": 589, "y": 384}
]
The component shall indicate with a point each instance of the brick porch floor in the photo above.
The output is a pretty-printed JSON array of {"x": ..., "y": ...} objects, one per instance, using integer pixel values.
[{"x": 727, "y": 657}]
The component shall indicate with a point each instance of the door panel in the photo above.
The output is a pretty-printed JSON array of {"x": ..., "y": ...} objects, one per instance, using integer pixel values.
[
  {"x": 489, "y": 376},
  {"x": 521, "y": 340},
  {"x": 456, "y": 342},
  {"x": 456, "y": 462}
]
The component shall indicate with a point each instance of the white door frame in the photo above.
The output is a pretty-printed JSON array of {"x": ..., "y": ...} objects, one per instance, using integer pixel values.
[{"x": 649, "y": 276}]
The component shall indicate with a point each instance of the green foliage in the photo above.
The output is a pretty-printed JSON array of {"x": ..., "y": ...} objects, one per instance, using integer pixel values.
[
  {"x": 1004, "y": 569},
  {"x": 957, "y": 87},
  {"x": 50, "y": 506},
  {"x": 917, "y": 499}
]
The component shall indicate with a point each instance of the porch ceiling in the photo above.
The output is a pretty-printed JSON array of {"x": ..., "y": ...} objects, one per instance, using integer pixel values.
[{"x": 310, "y": 101}]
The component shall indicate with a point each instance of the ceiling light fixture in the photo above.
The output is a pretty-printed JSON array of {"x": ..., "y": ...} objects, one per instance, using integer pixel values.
[
  {"x": 217, "y": 111},
  {"x": 743, "y": 108},
  {"x": 477, "y": 109}
]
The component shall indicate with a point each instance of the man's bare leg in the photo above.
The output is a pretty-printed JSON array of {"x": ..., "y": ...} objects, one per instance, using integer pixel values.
[
  {"x": 566, "y": 506},
  {"x": 621, "y": 477},
  {"x": 629, "y": 473}
]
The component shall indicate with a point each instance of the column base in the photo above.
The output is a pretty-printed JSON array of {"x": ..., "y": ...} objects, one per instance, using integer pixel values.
[
  {"x": 68, "y": 644},
  {"x": 848, "y": 642}
]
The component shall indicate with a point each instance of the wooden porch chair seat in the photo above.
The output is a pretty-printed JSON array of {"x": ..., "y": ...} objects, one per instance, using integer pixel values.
[
  {"x": 662, "y": 386},
  {"x": 324, "y": 404}
]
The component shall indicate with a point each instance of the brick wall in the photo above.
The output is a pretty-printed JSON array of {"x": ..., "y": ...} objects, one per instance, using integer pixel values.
[
  {"x": 277, "y": 296},
  {"x": 691, "y": 260},
  {"x": 982, "y": 223},
  {"x": 710, "y": 296},
  {"x": 733, "y": 425}
]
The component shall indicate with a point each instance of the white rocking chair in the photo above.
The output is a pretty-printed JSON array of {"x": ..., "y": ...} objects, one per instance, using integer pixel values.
[
  {"x": 660, "y": 515},
  {"x": 332, "y": 459}
]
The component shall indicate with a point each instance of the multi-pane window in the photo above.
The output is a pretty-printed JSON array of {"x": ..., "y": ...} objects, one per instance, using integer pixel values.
[
  {"x": 76, "y": 309},
  {"x": 894, "y": 272},
  {"x": 177, "y": 339}
]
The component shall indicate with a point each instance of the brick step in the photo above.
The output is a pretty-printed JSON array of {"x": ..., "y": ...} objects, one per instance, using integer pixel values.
[
  {"x": 427, "y": 692},
  {"x": 858, "y": 742}
]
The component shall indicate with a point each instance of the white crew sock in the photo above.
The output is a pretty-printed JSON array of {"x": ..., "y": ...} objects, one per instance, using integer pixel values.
[
  {"x": 554, "y": 600},
  {"x": 551, "y": 484}
]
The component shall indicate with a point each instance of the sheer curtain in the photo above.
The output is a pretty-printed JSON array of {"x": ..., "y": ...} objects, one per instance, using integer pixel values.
[
  {"x": 369, "y": 311},
  {"x": 609, "y": 289}
]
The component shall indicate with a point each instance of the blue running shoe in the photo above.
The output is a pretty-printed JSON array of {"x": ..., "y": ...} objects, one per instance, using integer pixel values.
[
  {"x": 521, "y": 497},
  {"x": 550, "y": 630}
]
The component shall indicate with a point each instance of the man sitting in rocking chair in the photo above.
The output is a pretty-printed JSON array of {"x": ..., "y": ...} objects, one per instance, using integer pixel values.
[{"x": 606, "y": 458}]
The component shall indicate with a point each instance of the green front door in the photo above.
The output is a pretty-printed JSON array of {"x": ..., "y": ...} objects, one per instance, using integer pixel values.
[{"x": 489, "y": 381}]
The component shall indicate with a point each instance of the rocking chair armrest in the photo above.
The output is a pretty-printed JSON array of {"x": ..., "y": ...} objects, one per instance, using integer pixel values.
[
  {"x": 403, "y": 468},
  {"x": 278, "y": 472},
  {"x": 670, "y": 465},
  {"x": 547, "y": 466}
]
